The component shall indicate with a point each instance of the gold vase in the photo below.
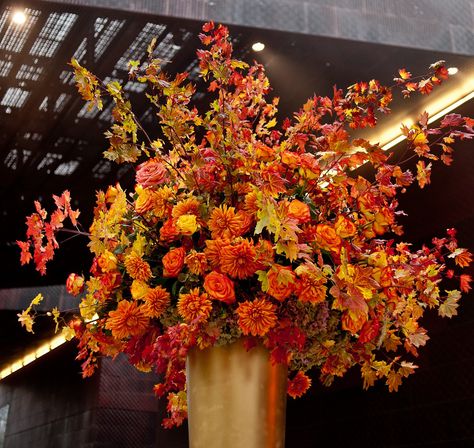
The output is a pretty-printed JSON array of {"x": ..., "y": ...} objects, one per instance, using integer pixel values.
[{"x": 236, "y": 398}]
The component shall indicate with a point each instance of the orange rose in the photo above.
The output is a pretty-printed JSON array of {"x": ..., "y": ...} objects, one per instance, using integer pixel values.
[
  {"x": 327, "y": 238},
  {"x": 281, "y": 282},
  {"x": 151, "y": 173},
  {"x": 299, "y": 210},
  {"x": 344, "y": 227},
  {"x": 220, "y": 287},
  {"x": 168, "y": 231},
  {"x": 74, "y": 284},
  {"x": 173, "y": 262}
]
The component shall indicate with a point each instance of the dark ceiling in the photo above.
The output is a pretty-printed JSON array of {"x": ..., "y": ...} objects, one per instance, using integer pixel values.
[{"x": 50, "y": 142}]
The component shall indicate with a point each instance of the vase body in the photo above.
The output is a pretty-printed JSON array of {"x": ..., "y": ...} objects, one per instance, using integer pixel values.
[{"x": 236, "y": 398}]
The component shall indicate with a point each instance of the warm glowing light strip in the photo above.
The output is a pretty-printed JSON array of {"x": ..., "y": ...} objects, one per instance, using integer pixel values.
[
  {"x": 432, "y": 119},
  {"x": 42, "y": 350}
]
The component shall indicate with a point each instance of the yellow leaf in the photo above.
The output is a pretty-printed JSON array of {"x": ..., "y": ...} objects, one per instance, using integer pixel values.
[
  {"x": 68, "y": 333},
  {"x": 56, "y": 314},
  {"x": 37, "y": 300},
  {"x": 394, "y": 379},
  {"x": 271, "y": 123},
  {"x": 140, "y": 244},
  {"x": 26, "y": 321}
]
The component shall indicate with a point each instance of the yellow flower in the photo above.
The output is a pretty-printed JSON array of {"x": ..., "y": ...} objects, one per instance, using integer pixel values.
[
  {"x": 187, "y": 224},
  {"x": 139, "y": 289}
]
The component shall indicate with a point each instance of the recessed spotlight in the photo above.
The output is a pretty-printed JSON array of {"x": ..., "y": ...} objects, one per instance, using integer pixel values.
[
  {"x": 19, "y": 17},
  {"x": 452, "y": 70},
  {"x": 258, "y": 46}
]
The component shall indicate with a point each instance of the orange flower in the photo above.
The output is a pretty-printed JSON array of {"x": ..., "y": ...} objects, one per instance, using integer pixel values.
[
  {"x": 127, "y": 320},
  {"x": 173, "y": 262},
  {"x": 194, "y": 306},
  {"x": 220, "y": 287},
  {"x": 168, "y": 231},
  {"x": 145, "y": 199},
  {"x": 213, "y": 251},
  {"x": 226, "y": 223},
  {"x": 256, "y": 317},
  {"x": 250, "y": 203},
  {"x": 151, "y": 173},
  {"x": 75, "y": 284},
  {"x": 327, "y": 238},
  {"x": 156, "y": 302},
  {"x": 344, "y": 227},
  {"x": 161, "y": 201},
  {"x": 239, "y": 259},
  {"x": 311, "y": 283},
  {"x": 281, "y": 282},
  {"x": 188, "y": 206},
  {"x": 137, "y": 267},
  {"x": 298, "y": 385},
  {"x": 196, "y": 262},
  {"x": 299, "y": 210}
]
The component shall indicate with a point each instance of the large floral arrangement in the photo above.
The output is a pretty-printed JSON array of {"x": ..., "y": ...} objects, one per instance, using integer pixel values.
[{"x": 238, "y": 229}]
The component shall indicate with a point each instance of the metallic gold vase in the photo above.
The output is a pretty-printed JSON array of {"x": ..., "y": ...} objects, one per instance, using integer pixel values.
[{"x": 236, "y": 398}]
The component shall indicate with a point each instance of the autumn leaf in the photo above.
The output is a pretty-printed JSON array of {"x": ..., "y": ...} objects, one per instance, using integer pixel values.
[
  {"x": 369, "y": 375},
  {"x": 425, "y": 86},
  {"x": 404, "y": 74},
  {"x": 407, "y": 368},
  {"x": 452, "y": 120},
  {"x": 26, "y": 321},
  {"x": 394, "y": 380},
  {"x": 465, "y": 282},
  {"x": 449, "y": 307},
  {"x": 419, "y": 337},
  {"x": 423, "y": 173}
]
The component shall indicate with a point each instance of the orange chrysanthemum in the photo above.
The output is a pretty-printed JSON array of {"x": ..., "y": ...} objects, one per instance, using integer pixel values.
[
  {"x": 239, "y": 260},
  {"x": 251, "y": 203},
  {"x": 194, "y": 305},
  {"x": 196, "y": 262},
  {"x": 127, "y": 320},
  {"x": 225, "y": 222},
  {"x": 213, "y": 251},
  {"x": 188, "y": 206},
  {"x": 298, "y": 385},
  {"x": 137, "y": 267},
  {"x": 156, "y": 302},
  {"x": 161, "y": 201},
  {"x": 256, "y": 317}
]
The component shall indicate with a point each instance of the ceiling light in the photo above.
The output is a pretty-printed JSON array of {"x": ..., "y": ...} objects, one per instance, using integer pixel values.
[
  {"x": 258, "y": 46},
  {"x": 452, "y": 71},
  {"x": 52, "y": 344},
  {"x": 433, "y": 117},
  {"x": 19, "y": 17}
]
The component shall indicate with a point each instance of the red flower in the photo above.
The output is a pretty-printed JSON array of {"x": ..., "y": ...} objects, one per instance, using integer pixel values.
[{"x": 298, "y": 385}]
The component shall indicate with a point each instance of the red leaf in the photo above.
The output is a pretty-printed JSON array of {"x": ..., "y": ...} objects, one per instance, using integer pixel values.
[
  {"x": 209, "y": 26},
  {"x": 452, "y": 120},
  {"x": 464, "y": 282}
]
